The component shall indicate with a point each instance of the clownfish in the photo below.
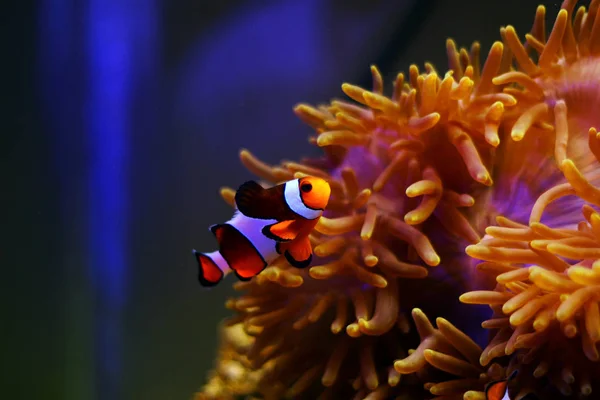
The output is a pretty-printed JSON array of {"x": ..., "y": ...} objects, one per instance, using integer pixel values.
[
  {"x": 498, "y": 390},
  {"x": 266, "y": 224}
]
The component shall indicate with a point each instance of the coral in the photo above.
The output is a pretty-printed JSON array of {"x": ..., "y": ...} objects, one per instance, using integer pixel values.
[{"x": 505, "y": 149}]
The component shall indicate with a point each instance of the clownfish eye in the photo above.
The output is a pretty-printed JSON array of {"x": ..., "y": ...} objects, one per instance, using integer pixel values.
[{"x": 306, "y": 187}]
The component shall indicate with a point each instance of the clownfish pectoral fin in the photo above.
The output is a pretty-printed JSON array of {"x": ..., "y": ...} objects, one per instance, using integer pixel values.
[
  {"x": 498, "y": 390},
  {"x": 239, "y": 252},
  {"x": 209, "y": 273},
  {"x": 283, "y": 231},
  {"x": 299, "y": 253}
]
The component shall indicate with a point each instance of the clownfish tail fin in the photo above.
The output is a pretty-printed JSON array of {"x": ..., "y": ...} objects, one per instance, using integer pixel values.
[{"x": 210, "y": 268}]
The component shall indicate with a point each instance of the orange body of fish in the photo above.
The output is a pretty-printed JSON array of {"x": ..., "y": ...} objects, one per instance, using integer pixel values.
[
  {"x": 267, "y": 223},
  {"x": 498, "y": 390}
]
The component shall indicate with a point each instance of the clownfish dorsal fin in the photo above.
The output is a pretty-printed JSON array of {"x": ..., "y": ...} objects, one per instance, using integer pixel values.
[
  {"x": 254, "y": 201},
  {"x": 248, "y": 196},
  {"x": 283, "y": 231}
]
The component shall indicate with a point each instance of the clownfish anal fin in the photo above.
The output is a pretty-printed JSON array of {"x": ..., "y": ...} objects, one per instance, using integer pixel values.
[
  {"x": 299, "y": 253},
  {"x": 283, "y": 231},
  {"x": 254, "y": 201},
  {"x": 209, "y": 274}
]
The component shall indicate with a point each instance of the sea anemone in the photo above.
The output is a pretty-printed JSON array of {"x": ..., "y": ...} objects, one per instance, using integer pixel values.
[
  {"x": 374, "y": 236},
  {"x": 546, "y": 302},
  {"x": 451, "y": 358},
  {"x": 234, "y": 376},
  {"x": 416, "y": 177},
  {"x": 548, "y": 294}
]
